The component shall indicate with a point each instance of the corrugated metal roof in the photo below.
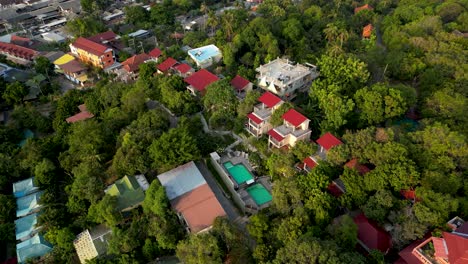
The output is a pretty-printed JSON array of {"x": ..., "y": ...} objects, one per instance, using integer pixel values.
[{"x": 181, "y": 180}]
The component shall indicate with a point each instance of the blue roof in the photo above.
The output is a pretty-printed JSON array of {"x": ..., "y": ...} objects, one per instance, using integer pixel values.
[
  {"x": 204, "y": 53},
  {"x": 181, "y": 180},
  {"x": 25, "y": 187},
  {"x": 31, "y": 248},
  {"x": 26, "y": 226},
  {"x": 26, "y": 134},
  {"x": 26, "y": 205}
]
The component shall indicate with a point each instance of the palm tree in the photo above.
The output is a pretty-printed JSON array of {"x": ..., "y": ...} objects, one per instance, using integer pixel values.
[
  {"x": 228, "y": 20},
  {"x": 204, "y": 9},
  {"x": 212, "y": 21}
]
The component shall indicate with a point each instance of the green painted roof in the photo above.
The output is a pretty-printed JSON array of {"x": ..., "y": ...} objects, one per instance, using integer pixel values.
[{"x": 128, "y": 192}]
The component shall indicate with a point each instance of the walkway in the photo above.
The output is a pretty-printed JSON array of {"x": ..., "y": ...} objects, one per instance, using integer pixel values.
[{"x": 207, "y": 129}]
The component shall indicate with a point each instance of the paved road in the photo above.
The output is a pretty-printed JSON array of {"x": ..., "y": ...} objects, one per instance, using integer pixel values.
[{"x": 231, "y": 211}]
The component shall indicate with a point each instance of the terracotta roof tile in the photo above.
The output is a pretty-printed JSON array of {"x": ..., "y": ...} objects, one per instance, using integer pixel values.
[
  {"x": 90, "y": 46},
  {"x": 367, "y": 31},
  {"x": 328, "y": 141},
  {"x": 201, "y": 79},
  {"x": 131, "y": 64},
  {"x": 18, "y": 51},
  {"x": 294, "y": 117},
  {"x": 167, "y": 64},
  {"x": 269, "y": 99},
  {"x": 239, "y": 83}
]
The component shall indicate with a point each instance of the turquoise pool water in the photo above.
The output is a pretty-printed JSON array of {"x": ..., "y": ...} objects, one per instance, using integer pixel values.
[
  {"x": 239, "y": 172},
  {"x": 259, "y": 194}
]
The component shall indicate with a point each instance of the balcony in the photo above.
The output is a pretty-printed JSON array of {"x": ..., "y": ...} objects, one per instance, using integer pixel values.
[{"x": 262, "y": 112}]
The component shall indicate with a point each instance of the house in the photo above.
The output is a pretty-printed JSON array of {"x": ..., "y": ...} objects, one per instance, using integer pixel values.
[
  {"x": 105, "y": 37},
  {"x": 93, "y": 53},
  {"x": 205, "y": 56},
  {"x": 367, "y": 31},
  {"x": 24, "y": 187},
  {"x": 450, "y": 248},
  {"x": 198, "y": 81},
  {"x": 364, "y": 7},
  {"x": 74, "y": 71},
  {"x": 155, "y": 53},
  {"x": 141, "y": 33},
  {"x": 371, "y": 236},
  {"x": 241, "y": 85},
  {"x": 131, "y": 66},
  {"x": 327, "y": 142},
  {"x": 90, "y": 244},
  {"x": 191, "y": 197},
  {"x": 336, "y": 188},
  {"x": 354, "y": 164},
  {"x": 183, "y": 70},
  {"x": 166, "y": 65},
  {"x": 258, "y": 123},
  {"x": 18, "y": 54},
  {"x": 309, "y": 163},
  {"x": 26, "y": 227},
  {"x": 53, "y": 37},
  {"x": 284, "y": 78},
  {"x": 82, "y": 115},
  {"x": 295, "y": 128},
  {"x": 32, "y": 248},
  {"x": 128, "y": 191},
  {"x": 28, "y": 204}
]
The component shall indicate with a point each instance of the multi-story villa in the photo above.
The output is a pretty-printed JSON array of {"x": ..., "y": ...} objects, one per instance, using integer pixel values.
[
  {"x": 284, "y": 78},
  {"x": 258, "y": 123},
  {"x": 295, "y": 128}
]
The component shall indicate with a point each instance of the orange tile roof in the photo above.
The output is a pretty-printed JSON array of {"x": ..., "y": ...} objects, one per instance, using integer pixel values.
[
  {"x": 354, "y": 164},
  {"x": 367, "y": 31},
  {"x": 131, "y": 64},
  {"x": 18, "y": 51},
  {"x": 90, "y": 46},
  {"x": 364, "y": 7},
  {"x": 199, "y": 208}
]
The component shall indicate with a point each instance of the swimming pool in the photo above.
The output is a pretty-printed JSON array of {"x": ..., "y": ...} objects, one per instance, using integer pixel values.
[
  {"x": 239, "y": 172},
  {"x": 259, "y": 194}
]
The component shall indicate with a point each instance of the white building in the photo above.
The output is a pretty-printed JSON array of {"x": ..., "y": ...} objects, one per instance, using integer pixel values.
[
  {"x": 206, "y": 56},
  {"x": 284, "y": 78}
]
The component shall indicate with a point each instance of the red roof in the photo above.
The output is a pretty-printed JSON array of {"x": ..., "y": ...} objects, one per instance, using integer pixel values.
[
  {"x": 199, "y": 208},
  {"x": 354, "y": 164},
  {"x": 20, "y": 41},
  {"x": 407, "y": 256},
  {"x": 367, "y": 31},
  {"x": 408, "y": 194},
  {"x": 72, "y": 67},
  {"x": 104, "y": 37},
  {"x": 275, "y": 135},
  {"x": 328, "y": 141},
  {"x": 254, "y": 118},
  {"x": 309, "y": 162},
  {"x": 167, "y": 64},
  {"x": 457, "y": 248},
  {"x": 269, "y": 99},
  {"x": 155, "y": 53},
  {"x": 83, "y": 115},
  {"x": 183, "y": 68},
  {"x": 239, "y": 83},
  {"x": 131, "y": 64},
  {"x": 371, "y": 235},
  {"x": 17, "y": 51},
  {"x": 364, "y": 7},
  {"x": 201, "y": 79},
  {"x": 439, "y": 247},
  {"x": 294, "y": 117},
  {"x": 90, "y": 46},
  {"x": 334, "y": 190}
]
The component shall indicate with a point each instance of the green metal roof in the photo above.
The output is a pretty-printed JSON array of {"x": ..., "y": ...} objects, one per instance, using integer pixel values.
[{"x": 128, "y": 191}]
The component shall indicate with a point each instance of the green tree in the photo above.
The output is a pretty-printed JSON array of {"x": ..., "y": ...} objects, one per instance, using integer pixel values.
[
  {"x": 44, "y": 173},
  {"x": 304, "y": 149},
  {"x": 201, "y": 248},
  {"x": 246, "y": 106},
  {"x": 173, "y": 148},
  {"x": 220, "y": 99},
  {"x": 276, "y": 118},
  {"x": 303, "y": 252},
  {"x": 14, "y": 93},
  {"x": 258, "y": 227},
  {"x": 7, "y": 216},
  {"x": 156, "y": 201},
  {"x": 379, "y": 205},
  {"x": 344, "y": 232},
  {"x": 42, "y": 65},
  {"x": 105, "y": 211}
]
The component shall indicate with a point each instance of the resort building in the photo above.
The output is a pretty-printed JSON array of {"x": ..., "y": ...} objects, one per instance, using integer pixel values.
[
  {"x": 191, "y": 197},
  {"x": 32, "y": 248},
  {"x": 93, "y": 53},
  {"x": 205, "y": 56},
  {"x": 129, "y": 192},
  {"x": 92, "y": 243},
  {"x": 258, "y": 123},
  {"x": 166, "y": 65},
  {"x": 295, "y": 128},
  {"x": 26, "y": 227},
  {"x": 241, "y": 86},
  {"x": 24, "y": 187},
  {"x": 131, "y": 66},
  {"x": 18, "y": 54},
  {"x": 71, "y": 68},
  {"x": 326, "y": 142},
  {"x": 371, "y": 236},
  {"x": 28, "y": 204},
  {"x": 198, "y": 81},
  {"x": 450, "y": 248},
  {"x": 82, "y": 115},
  {"x": 286, "y": 79}
]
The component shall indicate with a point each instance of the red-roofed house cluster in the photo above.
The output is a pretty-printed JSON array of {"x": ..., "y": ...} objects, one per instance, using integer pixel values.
[
  {"x": 171, "y": 66},
  {"x": 259, "y": 120},
  {"x": 451, "y": 248},
  {"x": 131, "y": 66},
  {"x": 325, "y": 143}
]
